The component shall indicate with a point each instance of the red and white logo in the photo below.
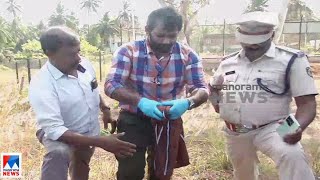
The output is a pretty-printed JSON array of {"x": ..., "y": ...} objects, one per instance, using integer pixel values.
[{"x": 11, "y": 166}]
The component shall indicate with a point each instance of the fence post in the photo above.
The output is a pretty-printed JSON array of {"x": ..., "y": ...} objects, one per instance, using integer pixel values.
[
  {"x": 17, "y": 72},
  {"x": 223, "y": 37},
  {"x": 29, "y": 71},
  {"x": 40, "y": 64},
  {"x": 21, "y": 84},
  {"x": 100, "y": 59},
  {"x": 300, "y": 29}
]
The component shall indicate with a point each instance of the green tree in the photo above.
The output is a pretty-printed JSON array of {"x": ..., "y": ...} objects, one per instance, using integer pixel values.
[
  {"x": 58, "y": 18},
  {"x": 124, "y": 18},
  {"x": 40, "y": 28},
  {"x": 106, "y": 28},
  {"x": 94, "y": 38},
  {"x": 13, "y": 8},
  {"x": 72, "y": 22},
  {"x": 20, "y": 34},
  {"x": 5, "y": 36},
  {"x": 33, "y": 49},
  {"x": 16, "y": 29},
  {"x": 87, "y": 49},
  {"x": 257, "y": 5},
  {"x": 189, "y": 10},
  {"x": 298, "y": 9},
  {"x": 61, "y": 18},
  {"x": 91, "y": 6}
]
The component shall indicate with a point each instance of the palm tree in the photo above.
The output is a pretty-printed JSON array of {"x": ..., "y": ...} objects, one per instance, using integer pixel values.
[
  {"x": 257, "y": 5},
  {"x": 41, "y": 27},
  {"x": 91, "y": 6},
  {"x": 60, "y": 18},
  {"x": 124, "y": 18},
  {"x": 13, "y": 7},
  {"x": 5, "y": 36},
  {"x": 106, "y": 28},
  {"x": 72, "y": 22}
]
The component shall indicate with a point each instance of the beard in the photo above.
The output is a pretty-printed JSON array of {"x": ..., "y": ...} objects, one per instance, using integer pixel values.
[{"x": 160, "y": 47}]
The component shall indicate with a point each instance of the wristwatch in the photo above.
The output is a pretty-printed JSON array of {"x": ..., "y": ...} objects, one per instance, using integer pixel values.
[{"x": 191, "y": 104}]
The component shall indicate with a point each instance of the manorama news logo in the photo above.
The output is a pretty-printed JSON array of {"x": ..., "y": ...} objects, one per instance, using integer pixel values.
[{"x": 11, "y": 166}]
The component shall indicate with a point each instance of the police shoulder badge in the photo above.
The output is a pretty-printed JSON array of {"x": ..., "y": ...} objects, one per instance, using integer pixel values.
[{"x": 309, "y": 71}]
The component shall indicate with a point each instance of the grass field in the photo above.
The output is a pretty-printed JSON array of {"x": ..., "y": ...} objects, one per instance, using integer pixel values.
[{"x": 204, "y": 139}]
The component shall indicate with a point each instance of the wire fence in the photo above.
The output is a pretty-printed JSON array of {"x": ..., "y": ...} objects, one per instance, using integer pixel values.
[
  {"x": 26, "y": 68},
  {"x": 220, "y": 39},
  {"x": 210, "y": 41}
]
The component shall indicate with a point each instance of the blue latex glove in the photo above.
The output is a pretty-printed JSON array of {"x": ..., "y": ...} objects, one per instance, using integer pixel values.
[
  {"x": 178, "y": 107},
  {"x": 149, "y": 108}
]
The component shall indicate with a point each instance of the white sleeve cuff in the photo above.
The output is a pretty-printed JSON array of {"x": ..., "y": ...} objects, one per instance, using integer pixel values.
[{"x": 55, "y": 133}]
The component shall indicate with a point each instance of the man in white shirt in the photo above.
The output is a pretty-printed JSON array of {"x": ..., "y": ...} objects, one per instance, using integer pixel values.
[
  {"x": 266, "y": 78},
  {"x": 66, "y": 101}
]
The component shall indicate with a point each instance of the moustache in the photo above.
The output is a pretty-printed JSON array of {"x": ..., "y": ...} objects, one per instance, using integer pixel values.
[
  {"x": 162, "y": 48},
  {"x": 253, "y": 48}
]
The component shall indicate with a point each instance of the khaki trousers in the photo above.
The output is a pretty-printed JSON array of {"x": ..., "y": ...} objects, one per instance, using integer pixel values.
[
  {"x": 290, "y": 160},
  {"x": 60, "y": 158}
]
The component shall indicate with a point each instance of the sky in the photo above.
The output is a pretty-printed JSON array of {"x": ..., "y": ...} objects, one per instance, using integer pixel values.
[{"x": 33, "y": 11}]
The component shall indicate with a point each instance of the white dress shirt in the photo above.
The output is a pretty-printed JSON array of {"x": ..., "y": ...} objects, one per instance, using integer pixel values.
[
  {"x": 263, "y": 107},
  {"x": 63, "y": 102}
]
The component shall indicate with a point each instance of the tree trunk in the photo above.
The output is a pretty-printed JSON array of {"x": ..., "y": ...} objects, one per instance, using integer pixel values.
[
  {"x": 184, "y": 10},
  {"x": 88, "y": 21},
  {"x": 120, "y": 33},
  {"x": 128, "y": 31},
  {"x": 109, "y": 43},
  {"x": 282, "y": 18},
  {"x": 188, "y": 21}
]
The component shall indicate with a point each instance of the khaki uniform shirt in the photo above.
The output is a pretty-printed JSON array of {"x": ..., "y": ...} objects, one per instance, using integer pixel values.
[{"x": 244, "y": 102}]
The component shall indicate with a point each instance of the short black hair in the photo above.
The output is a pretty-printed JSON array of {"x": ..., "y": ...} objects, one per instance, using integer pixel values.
[
  {"x": 170, "y": 18},
  {"x": 56, "y": 37}
]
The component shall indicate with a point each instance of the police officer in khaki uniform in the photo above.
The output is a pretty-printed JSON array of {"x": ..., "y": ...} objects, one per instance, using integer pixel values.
[{"x": 257, "y": 86}]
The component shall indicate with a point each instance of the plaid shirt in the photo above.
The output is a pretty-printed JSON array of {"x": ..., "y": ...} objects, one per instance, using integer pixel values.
[{"x": 135, "y": 66}]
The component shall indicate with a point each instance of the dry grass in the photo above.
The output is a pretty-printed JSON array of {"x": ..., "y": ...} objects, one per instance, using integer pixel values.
[{"x": 204, "y": 139}]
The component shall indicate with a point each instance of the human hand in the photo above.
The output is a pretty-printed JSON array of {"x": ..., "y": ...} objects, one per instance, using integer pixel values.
[
  {"x": 178, "y": 107},
  {"x": 116, "y": 146},
  {"x": 150, "y": 108},
  {"x": 106, "y": 118},
  {"x": 215, "y": 83},
  {"x": 293, "y": 138}
]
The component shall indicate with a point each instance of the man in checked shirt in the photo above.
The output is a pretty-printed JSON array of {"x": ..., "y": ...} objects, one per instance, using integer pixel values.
[{"x": 148, "y": 73}]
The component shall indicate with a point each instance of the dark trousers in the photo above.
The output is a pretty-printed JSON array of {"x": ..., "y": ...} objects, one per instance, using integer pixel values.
[{"x": 138, "y": 130}]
